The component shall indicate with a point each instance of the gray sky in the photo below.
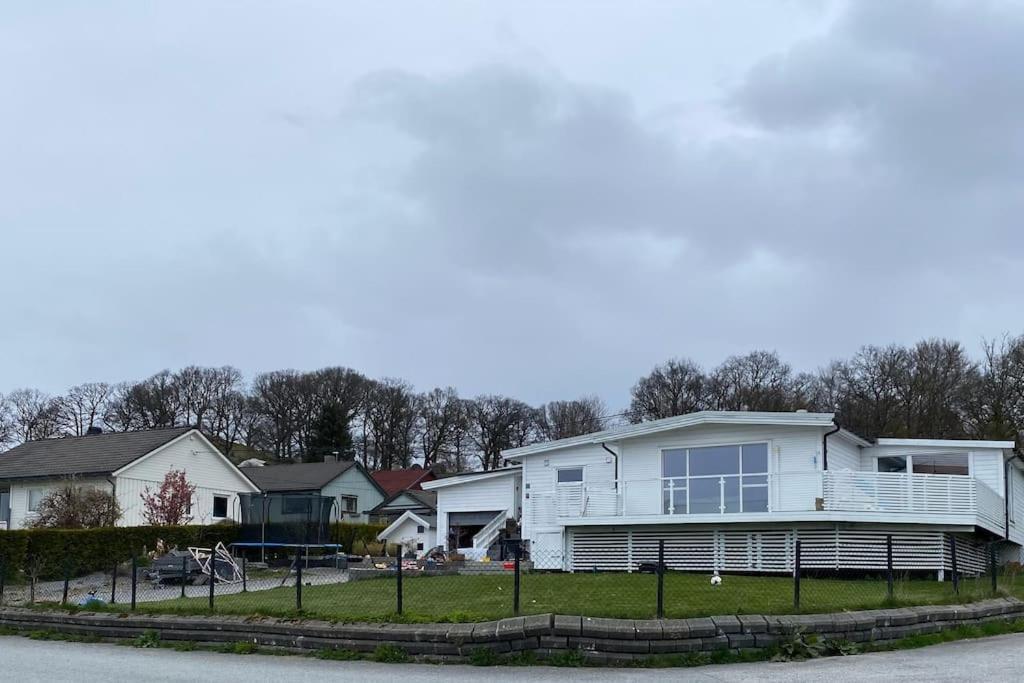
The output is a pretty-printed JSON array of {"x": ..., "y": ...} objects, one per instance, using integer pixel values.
[{"x": 538, "y": 199}]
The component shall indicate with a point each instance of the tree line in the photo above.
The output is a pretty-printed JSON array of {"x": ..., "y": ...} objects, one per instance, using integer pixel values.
[{"x": 931, "y": 389}]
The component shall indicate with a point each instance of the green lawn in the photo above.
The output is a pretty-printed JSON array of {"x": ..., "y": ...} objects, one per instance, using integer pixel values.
[{"x": 474, "y": 598}]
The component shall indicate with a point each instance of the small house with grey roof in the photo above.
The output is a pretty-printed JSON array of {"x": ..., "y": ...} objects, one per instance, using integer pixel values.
[{"x": 346, "y": 482}]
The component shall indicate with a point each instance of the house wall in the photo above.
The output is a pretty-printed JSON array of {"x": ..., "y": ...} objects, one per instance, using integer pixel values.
[
  {"x": 481, "y": 495},
  {"x": 407, "y": 530},
  {"x": 1016, "y": 507},
  {"x": 20, "y": 515},
  {"x": 986, "y": 464},
  {"x": 353, "y": 482},
  {"x": 843, "y": 455},
  {"x": 204, "y": 467}
]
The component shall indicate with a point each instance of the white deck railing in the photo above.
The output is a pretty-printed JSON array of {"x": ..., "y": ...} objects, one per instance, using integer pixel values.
[{"x": 831, "y": 491}]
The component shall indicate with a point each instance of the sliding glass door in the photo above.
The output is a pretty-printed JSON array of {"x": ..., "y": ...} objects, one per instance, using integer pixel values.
[{"x": 715, "y": 479}]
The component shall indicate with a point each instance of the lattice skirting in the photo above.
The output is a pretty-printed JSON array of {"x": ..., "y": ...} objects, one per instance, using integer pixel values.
[{"x": 772, "y": 549}]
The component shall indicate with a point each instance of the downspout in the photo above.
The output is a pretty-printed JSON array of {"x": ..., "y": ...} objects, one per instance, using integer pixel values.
[
  {"x": 622, "y": 490},
  {"x": 1006, "y": 491},
  {"x": 824, "y": 447}
]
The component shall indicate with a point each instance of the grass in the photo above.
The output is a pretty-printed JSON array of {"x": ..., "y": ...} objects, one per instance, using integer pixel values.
[{"x": 483, "y": 597}]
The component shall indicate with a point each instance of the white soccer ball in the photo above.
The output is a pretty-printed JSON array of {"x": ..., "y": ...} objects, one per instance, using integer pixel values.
[{"x": 716, "y": 580}]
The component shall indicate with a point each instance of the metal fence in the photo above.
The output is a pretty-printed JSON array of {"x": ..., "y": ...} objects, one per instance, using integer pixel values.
[{"x": 302, "y": 580}]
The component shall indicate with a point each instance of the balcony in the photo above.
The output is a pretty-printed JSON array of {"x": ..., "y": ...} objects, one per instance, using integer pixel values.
[{"x": 804, "y": 496}]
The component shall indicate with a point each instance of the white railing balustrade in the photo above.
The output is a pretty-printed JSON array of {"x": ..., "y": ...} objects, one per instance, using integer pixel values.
[{"x": 723, "y": 495}]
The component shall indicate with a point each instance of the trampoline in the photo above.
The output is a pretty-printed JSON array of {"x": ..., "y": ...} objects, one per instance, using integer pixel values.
[{"x": 284, "y": 521}]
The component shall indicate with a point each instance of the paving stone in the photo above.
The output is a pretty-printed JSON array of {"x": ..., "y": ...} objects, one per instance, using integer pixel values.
[
  {"x": 568, "y": 626},
  {"x": 675, "y": 628},
  {"x": 753, "y": 623},
  {"x": 531, "y": 643},
  {"x": 715, "y": 643},
  {"x": 610, "y": 645},
  {"x": 739, "y": 640},
  {"x": 548, "y": 642},
  {"x": 675, "y": 646},
  {"x": 511, "y": 629},
  {"x": 649, "y": 629},
  {"x": 460, "y": 633},
  {"x": 608, "y": 628},
  {"x": 485, "y": 631},
  {"x": 726, "y": 624},
  {"x": 701, "y": 628},
  {"x": 537, "y": 624}
]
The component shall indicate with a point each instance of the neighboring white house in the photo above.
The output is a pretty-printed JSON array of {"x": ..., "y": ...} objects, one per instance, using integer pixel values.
[
  {"x": 347, "y": 483},
  {"x": 125, "y": 463},
  {"x": 736, "y": 490},
  {"x": 472, "y": 508},
  {"x": 415, "y": 533}
]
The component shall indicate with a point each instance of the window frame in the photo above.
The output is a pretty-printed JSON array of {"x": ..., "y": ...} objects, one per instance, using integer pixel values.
[
  {"x": 908, "y": 458},
  {"x": 345, "y": 500},
  {"x": 738, "y": 476},
  {"x": 28, "y": 498},
  {"x": 227, "y": 501},
  {"x": 583, "y": 475}
]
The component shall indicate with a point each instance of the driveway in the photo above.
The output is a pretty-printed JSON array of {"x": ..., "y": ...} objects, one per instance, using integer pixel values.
[{"x": 24, "y": 660}]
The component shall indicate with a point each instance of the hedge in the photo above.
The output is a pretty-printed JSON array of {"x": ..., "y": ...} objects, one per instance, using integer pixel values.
[
  {"x": 52, "y": 551},
  {"x": 347, "y": 535}
]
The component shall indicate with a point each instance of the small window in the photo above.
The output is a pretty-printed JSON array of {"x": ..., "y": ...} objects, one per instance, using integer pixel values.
[
  {"x": 892, "y": 464},
  {"x": 570, "y": 475},
  {"x": 35, "y": 497},
  {"x": 350, "y": 503},
  {"x": 220, "y": 507},
  {"x": 296, "y": 505},
  {"x": 419, "y": 529},
  {"x": 419, "y": 546}
]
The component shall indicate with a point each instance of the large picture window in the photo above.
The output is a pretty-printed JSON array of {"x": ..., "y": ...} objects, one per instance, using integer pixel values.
[{"x": 715, "y": 479}]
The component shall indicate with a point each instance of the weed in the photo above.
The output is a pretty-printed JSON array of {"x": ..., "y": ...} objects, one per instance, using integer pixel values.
[
  {"x": 484, "y": 656},
  {"x": 337, "y": 655},
  {"x": 186, "y": 646},
  {"x": 242, "y": 647},
  {"x": 390, "y": 654},
  {"x": 567, "y": 658},
  {"x": 148, "y": 638}
]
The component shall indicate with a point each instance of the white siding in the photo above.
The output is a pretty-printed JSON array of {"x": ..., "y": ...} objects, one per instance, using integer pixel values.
[
  {"x": 986, "y": 464},
  {"x": 1016, "y": 505},
  {"x": 203, "y": 466},
  {"x": 987, "y": 467},
  {"x": 843, "y": 455},
  {"x": 407, "y": 530},
  {"x": 793, "y": 452},
  {"x": 20, "y": 515},
  {"x": 539, "y": 474},
  {"x": 481, "y": 495},
  {"x": 353, "y": 482}
]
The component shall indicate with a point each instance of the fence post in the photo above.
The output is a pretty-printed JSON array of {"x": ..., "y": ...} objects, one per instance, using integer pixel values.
[
  {"x": 993, "y": 569},
  {"x": 661, "y": 579},
  {"x": 135, "y": 574},
  {"x": 113, "y": 585},
  {"x": 398, "y": 580},
  {"x": 67, "y": 579},
  {"x": 184, "y": 574},
  {"x": 888, "y": 564},
  {"x": 796, "y": 578},
  {"x": 298, "y": 584},
  {"x": 213, "y": 576},
  {"x": 3, "y": 576},
  {"x": 245, "y": 576},
  {"x": 515, "y": 584},
  {"x": 952, "y": 557}
]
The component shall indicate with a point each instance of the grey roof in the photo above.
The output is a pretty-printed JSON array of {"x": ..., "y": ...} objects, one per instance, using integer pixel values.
[
  {"x": 310, "y": 476},
  {"x": 426, "y": 499},
  {"x": 97, "y": 454}
]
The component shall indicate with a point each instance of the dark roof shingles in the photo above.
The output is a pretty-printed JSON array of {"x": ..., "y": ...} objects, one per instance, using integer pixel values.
[
  {"x": 310, "y": 476},
  {"x": 93, "y": 454}
]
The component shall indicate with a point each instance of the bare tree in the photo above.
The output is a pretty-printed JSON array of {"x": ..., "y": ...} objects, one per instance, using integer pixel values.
[
  {"x": 149, "y": 404},
  {"x": 442, "y": 420},
  {"x": 500, "y": 423},
  {"x": 564, "y": 419},
  {"x": 35, "y": 415},
  {"x": 676, "y": 387},
  {"x": 757, "y": 381},
  {"x": 7, "y": 425},
  {"x": 84, "y": 406},
  {"x": 390, "y": 415}
]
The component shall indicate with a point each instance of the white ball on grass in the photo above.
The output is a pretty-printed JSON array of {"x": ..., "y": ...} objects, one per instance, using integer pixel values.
[{"x": 716, "y": 580}]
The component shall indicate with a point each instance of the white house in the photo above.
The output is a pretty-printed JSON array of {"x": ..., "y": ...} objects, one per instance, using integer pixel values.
[
  {"x": 736, "y": 490},
  {"x": 473, "y": 508},
  {"x": 416, "y": 533},
  {"x": 124, "y": 463}
]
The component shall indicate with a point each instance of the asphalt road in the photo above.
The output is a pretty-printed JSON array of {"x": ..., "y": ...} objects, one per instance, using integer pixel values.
[{"x": 25, "y": 661}]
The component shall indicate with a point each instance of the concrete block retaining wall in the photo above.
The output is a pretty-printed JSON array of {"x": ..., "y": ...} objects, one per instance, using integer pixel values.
[{"x": 601, "y": 640}]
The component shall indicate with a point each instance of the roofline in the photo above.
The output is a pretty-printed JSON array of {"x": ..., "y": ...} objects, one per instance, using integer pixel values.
[
  {"x": 194, "y": 430},
  {"x": 859, "y": 440},
  {"x": 395, "y": 495},
  {"x": 47, "y": 477},
  {"x": 407, "y": 514},
  {"x": 793, "y": 419},
  {"x": 947, "y": 443},
  {"x": 468, "y": 477},
  {"x": 356, "y": 465}
]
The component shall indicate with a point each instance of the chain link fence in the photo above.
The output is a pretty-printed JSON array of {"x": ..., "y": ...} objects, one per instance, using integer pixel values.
[{"x": 323, "y": 584}]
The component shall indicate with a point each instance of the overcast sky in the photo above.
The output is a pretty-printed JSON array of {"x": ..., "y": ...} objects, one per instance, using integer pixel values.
[{"x": 537, "y": 199}]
